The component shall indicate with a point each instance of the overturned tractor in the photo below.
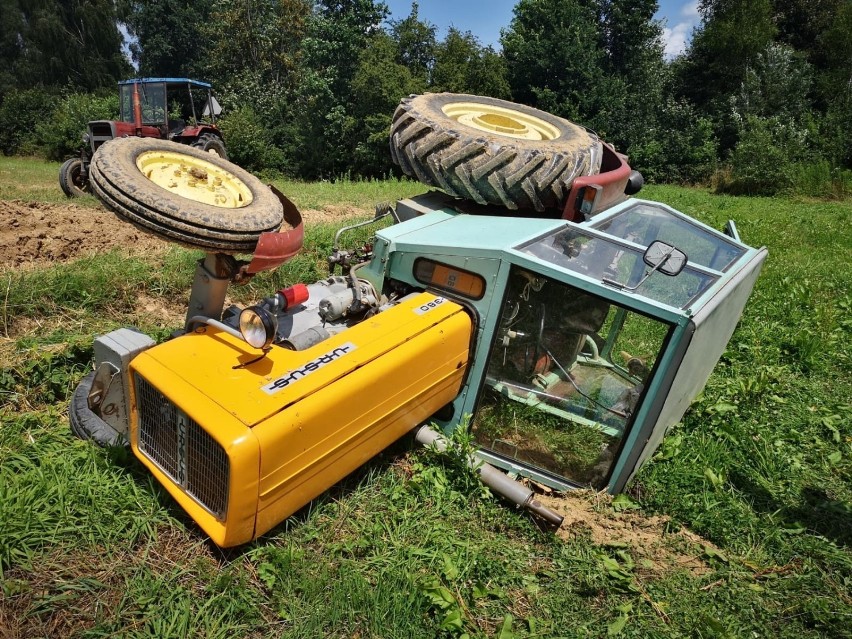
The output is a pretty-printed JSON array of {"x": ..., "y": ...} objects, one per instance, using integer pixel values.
[{"x": 568, "y": 323}]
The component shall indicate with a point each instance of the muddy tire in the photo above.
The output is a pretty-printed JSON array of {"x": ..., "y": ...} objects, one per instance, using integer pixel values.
[
  {"x": 85, "y": 424},
  {"x": 184, "y": 195},
  {"x": 71, "y": 178},
  {"x": 491, "y": 151},
  {"x": 210, "y": 143}
]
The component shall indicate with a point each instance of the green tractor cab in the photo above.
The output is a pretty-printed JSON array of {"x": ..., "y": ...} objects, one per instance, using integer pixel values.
[{"x": 592, "y": 338}]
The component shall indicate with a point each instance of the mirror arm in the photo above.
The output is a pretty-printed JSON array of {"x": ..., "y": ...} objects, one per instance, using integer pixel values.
[{"x": 624, "y": 287}]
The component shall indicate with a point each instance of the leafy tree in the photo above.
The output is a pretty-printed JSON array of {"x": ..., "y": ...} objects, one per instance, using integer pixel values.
[
  {"x": 801, "y": 22},
  {"x": 415, "y": 41},
  {"x": 379, "y": 84},
  {"x": 777, "y": 84},
  {"x": 64, "y": 43},
  {"x": 462, "y": 65},
  {"x": 630, "y": 38},
  {"x": 834, "y": 85},
  {"x": 12, "y": 28},
  {"x": 489, "y": 75},
  {"x": 554, "y": 59},
  {"x": 20, "y": 113},
  {"x": 732, "y": 35},
  {"x": 325, "y": 127},
  {"x": 261, "y": 36},
  {"x": 631, "y": 41},
  {"x": 168, "y": 40}
]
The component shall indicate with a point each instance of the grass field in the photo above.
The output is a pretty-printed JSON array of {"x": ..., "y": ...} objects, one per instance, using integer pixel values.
[{"x": 760, "y": 472}]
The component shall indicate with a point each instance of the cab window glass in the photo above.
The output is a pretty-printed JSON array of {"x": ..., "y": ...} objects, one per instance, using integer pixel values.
[
  {"x": 645, "y": 223},
  {"x": 603, "y": 259},
  {"x": 566, "y": 374}
]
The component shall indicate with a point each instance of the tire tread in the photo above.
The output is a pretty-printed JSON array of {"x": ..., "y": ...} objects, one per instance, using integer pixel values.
[{"x": 484, "y": 168}]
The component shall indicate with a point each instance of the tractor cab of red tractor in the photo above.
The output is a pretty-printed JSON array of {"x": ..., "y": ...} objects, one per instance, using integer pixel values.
[
  {"x": 176, "y": 109},
  {"x": 169, "y": 108}
]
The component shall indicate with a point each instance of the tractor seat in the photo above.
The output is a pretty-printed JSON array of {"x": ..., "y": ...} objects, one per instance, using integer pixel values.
[{"x": 176, "y": 126}]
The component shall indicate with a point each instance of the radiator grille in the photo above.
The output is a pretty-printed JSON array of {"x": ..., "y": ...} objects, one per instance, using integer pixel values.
[{"x": 182, "y": 449}]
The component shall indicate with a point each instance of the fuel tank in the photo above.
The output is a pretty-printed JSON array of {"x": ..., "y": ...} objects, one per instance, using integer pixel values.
[{"x": 242, "y": 441}]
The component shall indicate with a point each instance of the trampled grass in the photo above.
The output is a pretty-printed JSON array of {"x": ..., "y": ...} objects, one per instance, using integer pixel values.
[{"x": 760, "y": 468}]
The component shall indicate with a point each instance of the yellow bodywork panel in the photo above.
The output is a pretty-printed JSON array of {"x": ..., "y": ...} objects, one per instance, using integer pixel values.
[{"x": 295, "y": 422}]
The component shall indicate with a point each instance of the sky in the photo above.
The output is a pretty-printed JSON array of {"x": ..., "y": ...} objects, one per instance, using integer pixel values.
[{"x": 485, "y": 18}]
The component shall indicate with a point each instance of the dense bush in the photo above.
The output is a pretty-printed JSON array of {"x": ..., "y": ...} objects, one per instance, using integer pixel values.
[
  {"x": 20, "y": 112},
  {"x": 822, "y": 179},
  {"x": 36, "y": 121},
  {"x": 249, "y": 142},
  {"x": 681, "y": 150},
  {"x": 764, "y": 159},
  {"x": 59, "y": 136}
]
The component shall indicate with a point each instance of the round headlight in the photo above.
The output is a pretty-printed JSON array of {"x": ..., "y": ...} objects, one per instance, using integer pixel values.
[{"x": 258, "y": 326}]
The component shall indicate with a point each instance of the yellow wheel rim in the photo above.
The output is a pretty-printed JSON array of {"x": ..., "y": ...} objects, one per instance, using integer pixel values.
[
  {"x": 195, "y": 179},
  {"x": 506, "y": 122}
]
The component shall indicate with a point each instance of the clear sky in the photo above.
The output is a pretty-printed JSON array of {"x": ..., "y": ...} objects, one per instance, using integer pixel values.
[{"x": 485, "y": 18}]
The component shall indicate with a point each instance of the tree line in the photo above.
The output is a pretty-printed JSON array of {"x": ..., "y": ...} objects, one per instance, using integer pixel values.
[{"x": 760, "y": 102}]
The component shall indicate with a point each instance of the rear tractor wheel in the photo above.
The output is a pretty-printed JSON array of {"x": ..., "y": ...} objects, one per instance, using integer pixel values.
[
  {"x": 210, "y": 143},
  {"x": 491, "y": 151}
]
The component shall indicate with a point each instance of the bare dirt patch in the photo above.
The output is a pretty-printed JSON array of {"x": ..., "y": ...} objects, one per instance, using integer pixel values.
[
  {"x": 34, "y": 234},
  {"x": 39, "y": 233},
  {"x": 331, "y": 213},
  {"x": 659, "y": 545}
]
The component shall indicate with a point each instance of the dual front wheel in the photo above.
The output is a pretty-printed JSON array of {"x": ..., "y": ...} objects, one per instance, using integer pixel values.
[{"x": 184, "y": 194}]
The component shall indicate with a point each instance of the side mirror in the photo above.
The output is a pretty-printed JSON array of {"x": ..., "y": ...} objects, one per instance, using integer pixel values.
[
  {"x": 661, "y": 257},
  {"x": 664, "y": 258}
]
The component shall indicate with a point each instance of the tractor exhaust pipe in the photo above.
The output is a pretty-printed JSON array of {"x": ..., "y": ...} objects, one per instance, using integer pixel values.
[{"x": 498, "y": 481}]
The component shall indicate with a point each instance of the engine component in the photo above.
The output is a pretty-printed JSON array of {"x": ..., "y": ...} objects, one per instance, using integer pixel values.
[{"x": 349, "y": 301}]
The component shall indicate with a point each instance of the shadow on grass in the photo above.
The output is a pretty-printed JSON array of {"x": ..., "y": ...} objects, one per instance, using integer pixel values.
[{"x": 815, "y": 510}]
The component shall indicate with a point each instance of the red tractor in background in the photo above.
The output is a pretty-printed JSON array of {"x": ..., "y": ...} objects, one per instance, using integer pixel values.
[{"x": 176, "y": 109}]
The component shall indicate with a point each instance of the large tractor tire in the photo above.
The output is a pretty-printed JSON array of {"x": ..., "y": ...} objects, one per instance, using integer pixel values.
[
  {"x": 71, "y": 178},
  {"x": 491, "y": 151},
  {"x": 184, "y": 195},
  {"x": 210, "y": 143}
]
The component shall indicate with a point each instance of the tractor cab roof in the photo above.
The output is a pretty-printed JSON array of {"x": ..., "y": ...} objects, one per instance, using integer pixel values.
[{"x": 171, "y": 81}]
